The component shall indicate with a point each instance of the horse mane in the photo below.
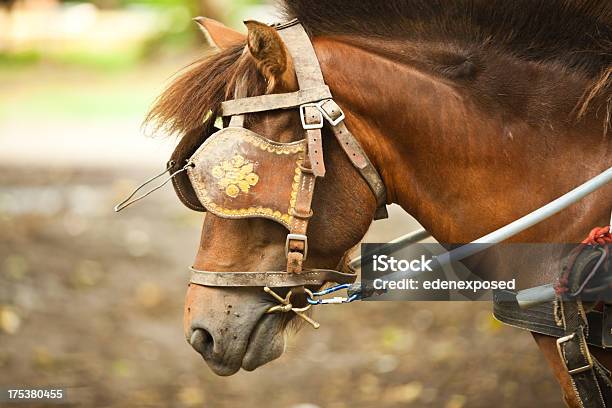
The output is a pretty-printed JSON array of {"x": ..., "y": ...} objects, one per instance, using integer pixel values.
[
  {"x": 574, "y": 35},
  {"x": 577, "y": 33}
]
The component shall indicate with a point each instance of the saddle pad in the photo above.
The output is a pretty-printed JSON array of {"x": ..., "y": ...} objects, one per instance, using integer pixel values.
[{"x": 237, "y": 173}]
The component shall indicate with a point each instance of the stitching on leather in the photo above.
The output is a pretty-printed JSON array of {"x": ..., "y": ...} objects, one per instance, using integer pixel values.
[{"x": 185, "y": 200}]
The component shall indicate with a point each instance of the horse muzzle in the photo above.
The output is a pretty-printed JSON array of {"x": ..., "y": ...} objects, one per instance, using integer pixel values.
[{"x": 230, "y": 329}]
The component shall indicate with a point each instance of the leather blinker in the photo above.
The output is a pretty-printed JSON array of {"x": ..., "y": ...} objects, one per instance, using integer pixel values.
[
  {"x": 237, "y": 173},
  {"x": 181, "y": 155}
]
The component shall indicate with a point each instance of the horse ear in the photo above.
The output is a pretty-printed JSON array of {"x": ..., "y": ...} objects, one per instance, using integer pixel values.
[
  {"x": 271, "y": 56},
  {"x": 217, "y": 34}
]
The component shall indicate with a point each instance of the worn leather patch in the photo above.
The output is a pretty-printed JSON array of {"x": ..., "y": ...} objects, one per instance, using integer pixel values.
[{"x": 237, "y": 173}]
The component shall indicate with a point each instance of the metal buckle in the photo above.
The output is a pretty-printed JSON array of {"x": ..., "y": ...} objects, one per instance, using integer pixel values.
[
  {"x": 331, "y": 120},
  {"x": 297, "y": 237},
  {"x": 578, "y": 370},
  {"x": 309, "y": 126}
]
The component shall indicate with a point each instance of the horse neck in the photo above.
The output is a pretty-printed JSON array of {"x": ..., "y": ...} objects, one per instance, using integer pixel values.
[{"x": 464, "y": 165}]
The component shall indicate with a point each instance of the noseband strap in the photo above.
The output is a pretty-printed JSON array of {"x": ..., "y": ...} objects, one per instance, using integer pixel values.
[{"x": 271, "y": 279}]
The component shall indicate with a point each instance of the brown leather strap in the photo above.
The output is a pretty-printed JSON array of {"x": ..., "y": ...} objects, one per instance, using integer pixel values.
[
  {"x": 309, "y": 75},
  {"x": 315, "y": 152},
  {"x": 312, "y": 122},
  {"x": 268, "y": 102},
  {"x": 271, "y": 279},
  {"x": 297, "y": 244},
  {"x": 350, "y": 146},
  {"x": 582, "y": 367},
  {"x": 334, "y": 115},
  {"x": 360, "y": 160},
  {"x": 305, "y": 61},
  {"x": 240, "y": 92}
]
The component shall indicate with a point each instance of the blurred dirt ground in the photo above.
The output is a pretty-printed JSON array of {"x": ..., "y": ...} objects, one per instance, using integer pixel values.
[{"x": 92, "y": 301}]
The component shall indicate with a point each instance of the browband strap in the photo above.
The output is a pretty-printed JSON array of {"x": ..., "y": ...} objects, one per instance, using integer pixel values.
[{"x": 268, "y": 102}]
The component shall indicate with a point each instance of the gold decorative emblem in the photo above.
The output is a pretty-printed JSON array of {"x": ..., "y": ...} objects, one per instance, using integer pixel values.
[{"x": 235, "y": 175}]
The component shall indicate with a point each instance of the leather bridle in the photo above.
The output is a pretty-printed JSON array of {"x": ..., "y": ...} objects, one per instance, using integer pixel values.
[
  {"x": 194, "y": 166},
  {"x": 316, "y": 108}
]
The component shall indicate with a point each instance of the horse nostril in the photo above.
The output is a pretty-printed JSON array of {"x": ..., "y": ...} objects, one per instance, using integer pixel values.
[{"x": 202, "y": 342}]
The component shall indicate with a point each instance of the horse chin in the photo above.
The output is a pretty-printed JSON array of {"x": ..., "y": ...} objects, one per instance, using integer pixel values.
[
  {"x": 267, "y": 342},
  {"x": 224, "y": 370}
]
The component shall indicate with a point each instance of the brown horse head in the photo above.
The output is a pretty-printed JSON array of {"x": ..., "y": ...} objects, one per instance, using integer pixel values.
[{"x": 229, "y": 327}]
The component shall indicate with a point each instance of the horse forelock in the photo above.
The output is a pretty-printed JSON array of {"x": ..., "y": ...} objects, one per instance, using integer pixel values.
[{"x": 192, "y": 101}]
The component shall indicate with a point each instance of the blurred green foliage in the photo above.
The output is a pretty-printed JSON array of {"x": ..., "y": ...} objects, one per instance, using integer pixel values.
[
  {"x": 18, "y": 59},
  {"x": 115, "y": 4},
  {"x": 176, "y": 33}
]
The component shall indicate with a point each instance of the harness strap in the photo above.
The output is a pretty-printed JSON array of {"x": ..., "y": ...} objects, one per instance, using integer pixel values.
[
  {"x": 590, "y": 379},
  {"x": 240, "y": 91},
  {"x": 575, "y": 330},
  {"x": 267, "y": 102},
  {"x": 305, "y": 61},
  {"x": 297, "y": 241},
  {"x": 541, "y": 318},
  {"x": 309, "y": 75},
  {"x": 272, "y": 279},
  {"x": 312, "y": 122}
]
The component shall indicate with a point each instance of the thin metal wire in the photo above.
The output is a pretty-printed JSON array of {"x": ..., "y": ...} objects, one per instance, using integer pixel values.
[{"x": 129, "y": 201}]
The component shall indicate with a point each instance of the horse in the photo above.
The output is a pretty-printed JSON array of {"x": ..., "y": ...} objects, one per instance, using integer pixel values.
[{"x": 474, "y": 113}]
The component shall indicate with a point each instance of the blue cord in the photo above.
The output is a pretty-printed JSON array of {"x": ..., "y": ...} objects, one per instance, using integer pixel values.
[
  {"x": 332, "y": 289},
  {"x": 352, "y": 298}
]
